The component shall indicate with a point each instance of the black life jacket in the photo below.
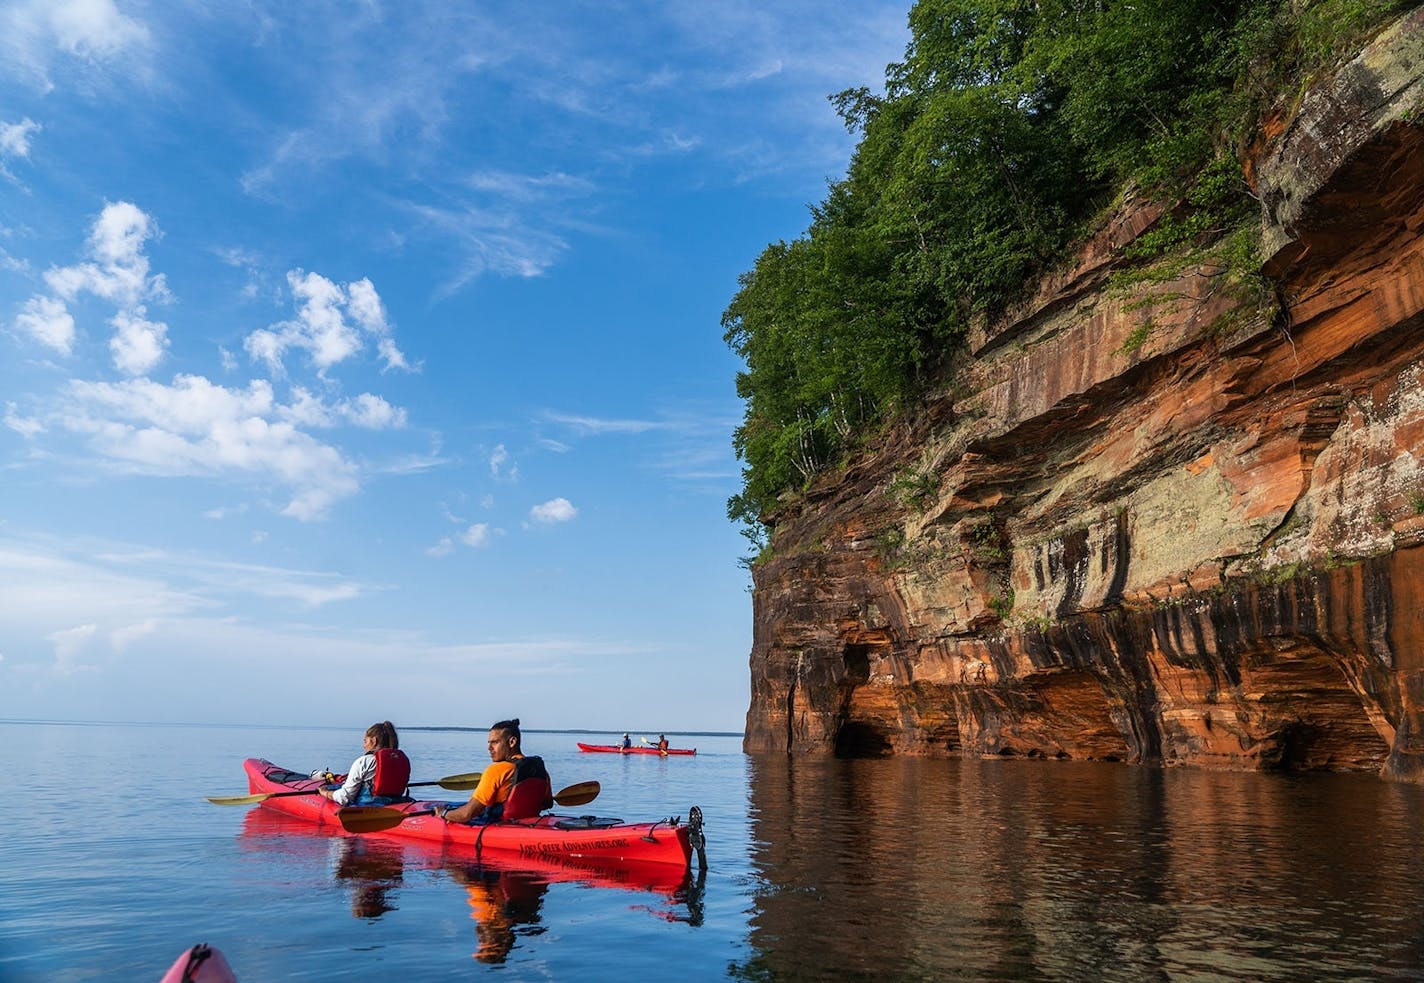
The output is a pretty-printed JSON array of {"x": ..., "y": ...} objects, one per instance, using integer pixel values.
[
  {"x": 531, "y": 793},
  {"x": 392, "y": 772}
]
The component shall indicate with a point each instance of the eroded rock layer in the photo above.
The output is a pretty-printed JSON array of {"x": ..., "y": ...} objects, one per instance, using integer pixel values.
[{"x": 1178, "y": 522}]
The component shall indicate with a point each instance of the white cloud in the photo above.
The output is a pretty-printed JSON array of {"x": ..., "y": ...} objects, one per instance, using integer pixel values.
[
  {"x": 373, "y": 412},
  {"x": 48, "y": 322},
  {"x": 15, "y": 143},
  {"x": 590, "y": 425},
  {"x": 68, "y": 644},
  {"x": 138, "y": 344},
  {"x": 321, "y": 328},
  {"x": 35, "y": 34},
  {"x": 194, "y": 427},
  {"x": 476, "y": 535},
  {"x": 8, "y": 262},
  {"x": 525, "y": 187},
  {"x": 15, "y": 138},
  {"x": 494, "y": 240},
  {"x": 554, "y": 510},
  {"x": 445, "y": 547},
  {"x": 497, "y": 459},
  {"x": 222, "y": 512},
  {"x": 24, "y": 426},
  {"x": 119, "y": 272},
  {"x": 365, "y": 306},
  {"x": 366, "y": 410}
]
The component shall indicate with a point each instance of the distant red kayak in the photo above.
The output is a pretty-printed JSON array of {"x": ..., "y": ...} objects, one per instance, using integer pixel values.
[
  {"x": 200, "y": 964},
  {"x": 615, "y": 749}
]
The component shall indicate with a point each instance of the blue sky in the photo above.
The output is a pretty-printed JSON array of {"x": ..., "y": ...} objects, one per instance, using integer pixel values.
[{"x": 363, "y": 360}]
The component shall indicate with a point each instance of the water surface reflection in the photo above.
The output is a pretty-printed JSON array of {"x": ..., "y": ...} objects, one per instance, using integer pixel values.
[{"x": 1006, "y": 870}]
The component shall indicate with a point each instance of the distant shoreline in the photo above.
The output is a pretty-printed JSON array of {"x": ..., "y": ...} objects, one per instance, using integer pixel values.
[
  {"x": 585, "y": 730},
  {"x": 474, "y": 730}
]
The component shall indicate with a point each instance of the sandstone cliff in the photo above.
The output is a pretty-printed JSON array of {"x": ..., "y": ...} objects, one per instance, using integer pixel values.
[{"x": 1173, "y": 523}]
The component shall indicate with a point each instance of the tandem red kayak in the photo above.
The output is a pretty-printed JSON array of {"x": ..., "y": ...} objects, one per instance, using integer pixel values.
[
  {"x": 615, "y": 749},
  {"x": 587, "y": 839}
]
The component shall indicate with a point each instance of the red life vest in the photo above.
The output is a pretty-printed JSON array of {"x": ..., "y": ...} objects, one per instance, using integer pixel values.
[
  {"x": 531, "y": 793},
  {"x": 392, "y": 772}
]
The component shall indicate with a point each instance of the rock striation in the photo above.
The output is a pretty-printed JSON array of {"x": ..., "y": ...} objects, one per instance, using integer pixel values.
[{"x": 1157, "y": 519}]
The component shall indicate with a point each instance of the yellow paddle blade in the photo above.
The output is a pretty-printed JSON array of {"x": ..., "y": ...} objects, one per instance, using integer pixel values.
[
  {"x": 577, "y": 795},
  {"x": 247, "y": 800},
  {"x": 373, "y": 819},
  {"x": 467, "y": 781},
  {"x": 237, "y": 800}
]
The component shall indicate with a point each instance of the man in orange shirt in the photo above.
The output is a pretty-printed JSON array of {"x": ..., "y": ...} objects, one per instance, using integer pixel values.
[{"x": 509, "y": 765}]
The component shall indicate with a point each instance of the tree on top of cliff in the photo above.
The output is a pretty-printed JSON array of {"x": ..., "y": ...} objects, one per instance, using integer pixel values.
[{"x": 1007, "y": 127}]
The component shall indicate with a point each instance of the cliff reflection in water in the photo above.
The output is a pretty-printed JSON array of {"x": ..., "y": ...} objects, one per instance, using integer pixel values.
[{"x": 909, "y": 868}]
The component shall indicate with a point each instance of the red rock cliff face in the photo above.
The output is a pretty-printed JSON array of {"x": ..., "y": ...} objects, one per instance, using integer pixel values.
[{"x": 1168, "y": 525}]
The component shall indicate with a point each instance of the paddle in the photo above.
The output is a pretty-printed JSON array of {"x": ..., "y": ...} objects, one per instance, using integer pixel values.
[
  {"x": 465, "y": 782},
  {"x": 247, "y": 800},
  {"x": 374, "y": 819}
]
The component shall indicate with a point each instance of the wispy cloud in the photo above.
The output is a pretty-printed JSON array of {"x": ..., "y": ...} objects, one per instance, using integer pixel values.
[
  {"x": 89, "y": 601},
  {"x": 15, "y": 138},
  {"x": 594, "y": 426},
  {"x": 85, "y": 36},
  {"x": 15, "y": 145},
  {"x": 565, "y": 83},
  {"x": 496, "y": 240},
  {"x": 502, "y": 467},
  {"x": 689, "y": 443}
]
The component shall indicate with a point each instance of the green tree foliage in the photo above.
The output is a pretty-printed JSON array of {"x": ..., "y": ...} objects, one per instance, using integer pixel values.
[{"x": 1006, "y": 127}]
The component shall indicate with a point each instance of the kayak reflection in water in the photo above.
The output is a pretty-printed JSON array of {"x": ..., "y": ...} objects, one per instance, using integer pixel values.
[
  {"x": 373, "y": 870},
  {"x": 500, "y": 903}
]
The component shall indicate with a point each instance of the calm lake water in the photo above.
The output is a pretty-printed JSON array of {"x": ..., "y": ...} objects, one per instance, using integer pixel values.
[{"x": 819, "y": 869}]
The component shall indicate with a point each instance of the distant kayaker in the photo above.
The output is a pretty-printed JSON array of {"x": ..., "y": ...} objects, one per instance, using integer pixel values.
[
  {"x": 379, "y": 776},
  {"x": 662, "y": 743},
  {"x": 627, "y": 742},
  {"x": 515, "y": 786}
]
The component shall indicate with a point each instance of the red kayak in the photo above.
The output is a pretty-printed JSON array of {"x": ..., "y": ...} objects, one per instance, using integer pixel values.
[
  {"x": 200, "y": 964},
  {"x": 615, "y": 749},
  {"x": 577, "y": 839},
  {"x": 380, "y": 858}
]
